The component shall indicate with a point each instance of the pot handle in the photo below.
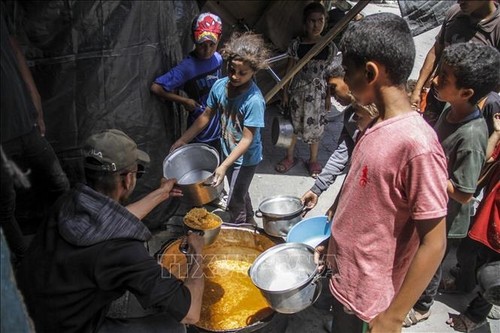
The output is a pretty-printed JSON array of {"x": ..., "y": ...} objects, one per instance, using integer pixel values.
[
  {"x": 318, "y": 276},
  {"x": 258, "y": 213},
  {"x": 305, "y": 210},
  {"x": 184, "y": 246}
]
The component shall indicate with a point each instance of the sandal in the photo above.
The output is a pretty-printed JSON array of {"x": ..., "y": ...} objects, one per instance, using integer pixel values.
[
  {"x": 285, "y": 164},
  {"x": 461, "y": 323},
  {"x": 314, "y": 169},
  {"x": 413, "y": 317}
]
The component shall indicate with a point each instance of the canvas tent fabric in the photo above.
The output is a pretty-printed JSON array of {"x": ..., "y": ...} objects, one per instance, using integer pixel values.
[{"x": 93, "y": 63}]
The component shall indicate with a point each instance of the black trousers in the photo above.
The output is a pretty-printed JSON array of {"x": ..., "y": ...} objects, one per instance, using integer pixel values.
[{"x": 344, "y": 322}]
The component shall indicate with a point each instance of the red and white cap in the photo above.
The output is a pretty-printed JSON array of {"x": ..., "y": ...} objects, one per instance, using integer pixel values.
[{"x": 207, "y": 27}]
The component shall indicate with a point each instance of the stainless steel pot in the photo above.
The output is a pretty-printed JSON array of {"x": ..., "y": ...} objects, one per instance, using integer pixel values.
[
  {"x": 209, "y": 235},
  {"x": 279, "y": 214},
  {"x": 281, "y": 132},
  {"x": 287, "y": 277},
  {"x": 193, "y": 166}
]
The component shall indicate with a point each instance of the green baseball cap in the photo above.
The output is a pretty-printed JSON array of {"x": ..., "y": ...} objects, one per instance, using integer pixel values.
[{"x": 113, "y": 151}]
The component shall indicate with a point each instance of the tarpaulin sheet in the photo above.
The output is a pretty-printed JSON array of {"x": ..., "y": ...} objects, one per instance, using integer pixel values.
[
  {"x": 424, "y": 15},
  {"x": 94, "y": 62}
]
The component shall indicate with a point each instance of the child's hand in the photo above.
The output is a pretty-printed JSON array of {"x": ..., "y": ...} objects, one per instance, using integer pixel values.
[
  {"x": 331, "y": 211},
  {"x": 191, "y": 105},
  {"x": 219, "y": 175},
  {"x": 195, "y": 242},
  {"x": 309, "y": 200},
  {"x": 177, "y": 144},
  {"x": 319, "y": 254},
  {"x": 415, "y": 99},
  {"x": 384, "y": 322}
]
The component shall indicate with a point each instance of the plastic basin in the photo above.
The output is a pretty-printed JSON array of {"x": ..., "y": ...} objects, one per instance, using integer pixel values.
[{"x": 311, "y": 231}]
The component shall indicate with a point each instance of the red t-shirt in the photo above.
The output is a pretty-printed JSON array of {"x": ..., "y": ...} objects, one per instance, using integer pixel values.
[{"x": 397, "y": 178}]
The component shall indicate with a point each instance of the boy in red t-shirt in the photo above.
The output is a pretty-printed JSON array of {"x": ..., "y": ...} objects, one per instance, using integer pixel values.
[{"x": 388, "y": 235}]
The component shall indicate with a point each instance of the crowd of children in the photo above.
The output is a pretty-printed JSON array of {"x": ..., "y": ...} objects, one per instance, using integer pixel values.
[
  {"x": 421, "y": 183},
  {"x": 414, "y": 184}
]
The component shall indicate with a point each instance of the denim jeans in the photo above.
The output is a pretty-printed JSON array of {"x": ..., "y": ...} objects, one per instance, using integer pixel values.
[
  {"x": 239, "y": 203},
  {"x": 30, "y": 151}
]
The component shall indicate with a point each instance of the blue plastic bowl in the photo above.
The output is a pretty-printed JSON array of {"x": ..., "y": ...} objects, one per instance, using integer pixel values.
[{"x": 311, "y": 231}]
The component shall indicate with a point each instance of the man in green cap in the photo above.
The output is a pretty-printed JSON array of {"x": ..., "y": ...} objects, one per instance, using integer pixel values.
[{"x": 91, "y": 250}]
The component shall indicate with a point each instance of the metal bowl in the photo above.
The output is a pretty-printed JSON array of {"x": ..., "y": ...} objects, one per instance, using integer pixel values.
[{"x": 209, "y": 235}]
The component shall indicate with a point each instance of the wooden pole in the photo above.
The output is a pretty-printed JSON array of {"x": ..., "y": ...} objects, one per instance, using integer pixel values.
[{"x": 334, "y": 31}]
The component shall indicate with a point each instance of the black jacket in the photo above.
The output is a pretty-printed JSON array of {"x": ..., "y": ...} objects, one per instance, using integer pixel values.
[{"x": 88, "y": 253}]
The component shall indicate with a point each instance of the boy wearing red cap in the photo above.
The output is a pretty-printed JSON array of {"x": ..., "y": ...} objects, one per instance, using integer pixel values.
[{"x": 195, "y": 75}]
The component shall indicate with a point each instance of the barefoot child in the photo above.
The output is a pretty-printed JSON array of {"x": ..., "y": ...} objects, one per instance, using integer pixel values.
[{"x": 239, "y": 103}]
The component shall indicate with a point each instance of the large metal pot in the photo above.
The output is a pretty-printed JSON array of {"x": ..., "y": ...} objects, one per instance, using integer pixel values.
[
  {"x": 193, "y": 166},
  {"x": 287, "y": 277},
  {"x": 227, "y": 295},
  {"x": 279, "y": 214}
]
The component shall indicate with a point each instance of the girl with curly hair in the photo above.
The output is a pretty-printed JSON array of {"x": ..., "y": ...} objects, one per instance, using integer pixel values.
[{"x": 240, "y": 105}]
